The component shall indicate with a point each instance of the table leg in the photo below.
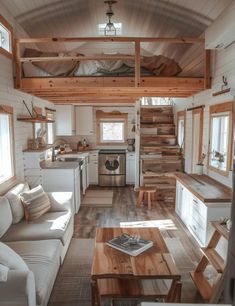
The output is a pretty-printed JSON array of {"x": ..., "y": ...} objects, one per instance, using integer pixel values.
[{"x": 95, "y": 298}]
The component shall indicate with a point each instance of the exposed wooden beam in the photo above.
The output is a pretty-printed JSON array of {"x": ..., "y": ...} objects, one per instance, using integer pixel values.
[
  {"x": 77, "y": 84},
  {"x": 183, "y": 40},
  {"x": 76, "y": 58}
]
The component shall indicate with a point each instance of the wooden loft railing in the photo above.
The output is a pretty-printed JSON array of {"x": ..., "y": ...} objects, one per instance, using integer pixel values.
[{"x": 133, "y": 87}]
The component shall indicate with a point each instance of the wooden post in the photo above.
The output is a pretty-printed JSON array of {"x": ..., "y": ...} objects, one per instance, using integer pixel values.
[
  {"x": 18, "y": 69},
  {"x": 207, "y": 69},
  {"x": 137, "y": 63}
]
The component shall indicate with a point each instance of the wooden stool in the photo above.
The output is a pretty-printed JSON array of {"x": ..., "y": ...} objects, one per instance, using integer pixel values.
[{"x": 150, "y": 192}]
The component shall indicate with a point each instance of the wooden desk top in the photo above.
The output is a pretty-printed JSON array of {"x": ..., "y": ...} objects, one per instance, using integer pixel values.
[
  {"x": 205, "y": 188},
  {"x": 155, "y": 263}
]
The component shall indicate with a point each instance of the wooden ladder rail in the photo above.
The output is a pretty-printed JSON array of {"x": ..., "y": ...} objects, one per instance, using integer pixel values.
[{"x": 210, "y": 256}]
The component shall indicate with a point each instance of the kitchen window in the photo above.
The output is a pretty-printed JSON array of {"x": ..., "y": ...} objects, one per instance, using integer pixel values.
[
  {"x": 220, "y": 139},
  {"x": 6, "y": 145},
  {"x": 112, "y": 131},
  {"x": 5, "y": 37},
  {"x": 111, "y": 127}
]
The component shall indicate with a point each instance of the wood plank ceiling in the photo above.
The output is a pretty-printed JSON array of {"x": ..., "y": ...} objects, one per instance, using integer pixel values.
[
  {"x": 41, "y": 18},
  {"x": 146, "y": 18}
]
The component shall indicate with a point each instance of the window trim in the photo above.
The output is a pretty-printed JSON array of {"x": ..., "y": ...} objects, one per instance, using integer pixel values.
[
  {"x": 226, "y": 108},
  {"x": 181, "y": 115},
  {"x": 112, "y": 116},
  {"x": 50, "y": 111},
  {"x": 7, "y": 184},
  {"x": 10, "y": 29},
  {"x": 199, "y": 111}
]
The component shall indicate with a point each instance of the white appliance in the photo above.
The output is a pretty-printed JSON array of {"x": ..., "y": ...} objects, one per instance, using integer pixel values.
[
  {"x": 221, "y": 33},
  {"x": 59, "y": 179}
]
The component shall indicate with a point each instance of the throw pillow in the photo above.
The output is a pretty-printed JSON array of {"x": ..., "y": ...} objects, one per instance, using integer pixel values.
[
  {"x": 11, "y": 259},
  {"x": 36, "y": 203},
  {"x": 13, "y": 197},
  {"x": 3, "y": 273}
]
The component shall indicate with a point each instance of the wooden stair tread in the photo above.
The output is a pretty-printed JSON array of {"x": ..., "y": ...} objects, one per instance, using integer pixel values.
[
  {"x": 133, "y": 287},
  {"x": 157, "y": 136},
  {"x": 214, "y": 258},
  {"x": 163, "y": 174},
  {"x": 155, "y": 124},
  {"x": 202, "y": 285}
]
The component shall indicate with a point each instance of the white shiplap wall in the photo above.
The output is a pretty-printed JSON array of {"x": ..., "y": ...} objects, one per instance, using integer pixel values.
[
  {"x": 10, "y": 96},
  {"x": 223, "y": 63}
]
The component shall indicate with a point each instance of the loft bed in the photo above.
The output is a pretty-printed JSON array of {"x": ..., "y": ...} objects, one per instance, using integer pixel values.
[{"x": 135, "y": 81}]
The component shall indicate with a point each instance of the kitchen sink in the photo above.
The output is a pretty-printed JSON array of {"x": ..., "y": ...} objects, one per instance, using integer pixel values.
[{"x": 69, "y": 159}]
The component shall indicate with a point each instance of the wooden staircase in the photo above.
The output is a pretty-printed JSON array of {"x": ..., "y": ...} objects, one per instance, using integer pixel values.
[
  {"x": 208, "y": 287},
  {"x": 159, "y": 153}
]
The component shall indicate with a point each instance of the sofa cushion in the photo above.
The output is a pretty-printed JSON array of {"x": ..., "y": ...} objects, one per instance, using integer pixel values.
[
  {"x": 36, "y": 203},
  {"x": 43, "y": 258},
  {"x": 5, "y": 216},
  {"x": 52, "y": 225},
  {"x": 11, "y": 259},
  {"x": 3, "y": 273},
  {"x": 13, "y": 197}
]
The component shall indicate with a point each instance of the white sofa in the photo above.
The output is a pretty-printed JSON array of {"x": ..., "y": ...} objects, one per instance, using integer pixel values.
[{"x": 42, "y": 244}]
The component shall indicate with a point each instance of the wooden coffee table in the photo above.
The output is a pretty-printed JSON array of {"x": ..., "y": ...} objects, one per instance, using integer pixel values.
[{"x": 117, "y": 275}]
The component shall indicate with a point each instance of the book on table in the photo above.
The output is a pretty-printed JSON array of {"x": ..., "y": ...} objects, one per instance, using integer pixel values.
[{"x": 131, "y": 245}]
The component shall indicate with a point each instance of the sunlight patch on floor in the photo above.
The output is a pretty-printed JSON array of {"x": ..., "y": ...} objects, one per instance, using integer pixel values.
[{"x": 166, "y": 224}]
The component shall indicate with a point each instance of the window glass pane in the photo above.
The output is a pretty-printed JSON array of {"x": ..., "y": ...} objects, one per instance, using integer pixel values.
[
  {"x": 6, "y": 168},
  {"x": 5, "y": 38},
  {"x": 112, "y": 131},
  {"x": 156, "y": 101},
  {"x": 37, "y": 129},
  {"x": 50, "y": 133},
  {"x": 118, "y": 27},
  {"x": 181, "y": 132},
  {"x": 219, "y": 141}
]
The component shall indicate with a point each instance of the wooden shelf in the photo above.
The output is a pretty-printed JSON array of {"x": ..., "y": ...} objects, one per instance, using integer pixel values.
[
  {"x": 214, "y": 258},
  {"x": 202, "y": 284},
  {"x": 221, "y": 229},
  {"x": 35, "y": 120}
]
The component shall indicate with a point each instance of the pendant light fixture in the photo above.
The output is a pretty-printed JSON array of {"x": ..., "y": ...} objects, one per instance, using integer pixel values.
[{"x": 110, "y": 29}]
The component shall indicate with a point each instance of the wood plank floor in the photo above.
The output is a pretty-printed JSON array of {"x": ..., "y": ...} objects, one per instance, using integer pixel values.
[{"x": 124, "y": 210}]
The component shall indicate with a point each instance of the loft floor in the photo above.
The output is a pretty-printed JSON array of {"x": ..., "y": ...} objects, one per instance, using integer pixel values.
[{"x": 162, "y": 214}]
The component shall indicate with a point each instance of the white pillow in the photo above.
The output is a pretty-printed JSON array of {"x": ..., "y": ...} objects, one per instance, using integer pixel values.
[
  {"x": 11, "y": 259},
  {"x": 13, "y": 197},
  {"x": 36, "y": 203},
  {"x": 3, "y": 273}
]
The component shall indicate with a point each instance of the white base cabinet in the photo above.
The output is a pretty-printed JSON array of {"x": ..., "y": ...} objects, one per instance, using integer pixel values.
[
  {"x": 130, "y": 167},
  {"x": 32, "y": 169},
  {"x": 63, "y": 180},
  {"x": 197, "y": 215},
  {"x": 93, "y": 168}
]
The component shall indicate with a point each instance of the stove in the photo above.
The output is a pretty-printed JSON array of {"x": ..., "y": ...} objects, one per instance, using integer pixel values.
[{"x": 112, "y": 167}]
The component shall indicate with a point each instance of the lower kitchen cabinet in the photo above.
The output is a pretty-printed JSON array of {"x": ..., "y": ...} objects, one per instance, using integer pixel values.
[
  {"x": 130, "y": 168},
  {"x": 196, "y": 215},
  {"x": 93, "y": 168},
  {"x": 64, "y": 180}
]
